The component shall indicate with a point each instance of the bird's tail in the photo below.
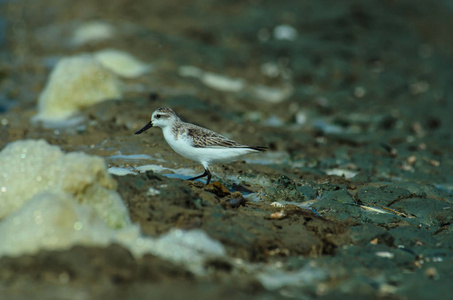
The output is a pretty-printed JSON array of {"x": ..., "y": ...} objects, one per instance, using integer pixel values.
[{"x": 259, "y": 148}]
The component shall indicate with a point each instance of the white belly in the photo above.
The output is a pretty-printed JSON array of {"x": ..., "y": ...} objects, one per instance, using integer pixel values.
[{"x": 205, "y": 156}]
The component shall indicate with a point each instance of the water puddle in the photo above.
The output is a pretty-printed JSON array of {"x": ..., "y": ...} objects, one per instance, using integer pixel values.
[
  {"x": 445, "y": 187},
  {"x": 181, "y": 173},
  {"x": 132, "y": 157}
]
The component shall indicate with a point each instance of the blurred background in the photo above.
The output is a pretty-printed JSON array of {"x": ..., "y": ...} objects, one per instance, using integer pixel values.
[{"x": 354, "y": 99}]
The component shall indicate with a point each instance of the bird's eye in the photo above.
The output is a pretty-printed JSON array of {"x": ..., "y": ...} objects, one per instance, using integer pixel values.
[{"x": 157, "y": 116}]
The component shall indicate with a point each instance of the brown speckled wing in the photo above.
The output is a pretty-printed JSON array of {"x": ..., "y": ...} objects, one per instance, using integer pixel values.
[{"x": 202, "y": 138}]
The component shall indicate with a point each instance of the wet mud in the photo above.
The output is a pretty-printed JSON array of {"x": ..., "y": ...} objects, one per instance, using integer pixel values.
[{"x": 353, "y": 199}]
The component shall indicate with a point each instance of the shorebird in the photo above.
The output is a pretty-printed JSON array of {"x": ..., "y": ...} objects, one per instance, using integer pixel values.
[{"x": 197, "y": 143}]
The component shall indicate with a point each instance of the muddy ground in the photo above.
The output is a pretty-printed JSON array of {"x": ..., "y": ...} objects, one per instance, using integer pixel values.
[{"x": 360, "y": 152}]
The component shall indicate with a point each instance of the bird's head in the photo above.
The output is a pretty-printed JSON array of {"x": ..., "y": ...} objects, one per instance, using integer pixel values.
[{"x": 161, "y": 117}]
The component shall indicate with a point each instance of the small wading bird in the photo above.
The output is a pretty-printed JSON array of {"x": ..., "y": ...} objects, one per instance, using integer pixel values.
[{"x": 195, "y": 142}]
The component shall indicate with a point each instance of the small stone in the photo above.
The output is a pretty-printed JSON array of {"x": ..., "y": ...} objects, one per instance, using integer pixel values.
[
  {"x": 411, "y": 160},
  {"x": 218, "y": 189},
  {"x": 434, "y": 163},
  {"x": 278, "y": 215},
  {"x": 432, "y": 273},
  {"x": 236, "y": 200}
]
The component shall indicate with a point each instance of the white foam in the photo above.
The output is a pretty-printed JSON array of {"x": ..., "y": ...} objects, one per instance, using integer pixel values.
[
  {"x": 272, "y": 94},
  {"x": 32, "y": 167},
  {"x": 190, "y": 248},
  {"x": 51, "y": 200},
  {"x": 93, "y": 31},
  {"x": 52, "y": 221},
  {"x": 348, "y": 174},
  {"x": 122, "y": 63},
  {"x": 154, "y": 168},
  {"x": 228, "y": 84},
  {"x": 212, "y": 80},
  {"x": 57, "y": 222},
  {"x": 153, "y": 192},
  {"x": 222, "y": 83},
  {"x": 273, "y": 279},
  {"x": 75, "y": 83},
  {"x": 285, "y": 32},
  {"x": 118, "y": 171}
]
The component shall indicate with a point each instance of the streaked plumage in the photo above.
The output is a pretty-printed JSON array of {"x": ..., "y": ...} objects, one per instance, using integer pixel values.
[{"x": 197, "y": 143}]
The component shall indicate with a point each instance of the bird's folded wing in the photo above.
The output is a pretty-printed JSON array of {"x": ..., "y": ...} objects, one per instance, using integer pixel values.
[{"x": 204, "y": 138}]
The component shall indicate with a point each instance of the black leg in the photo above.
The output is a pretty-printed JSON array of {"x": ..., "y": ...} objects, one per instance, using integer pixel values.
[
  {"x": 206, "y": 173},
  {"x": 209, "y": 177}
]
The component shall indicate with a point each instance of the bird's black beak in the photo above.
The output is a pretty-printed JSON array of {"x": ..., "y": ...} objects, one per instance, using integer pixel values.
[{"x": 146, "y": 127}]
